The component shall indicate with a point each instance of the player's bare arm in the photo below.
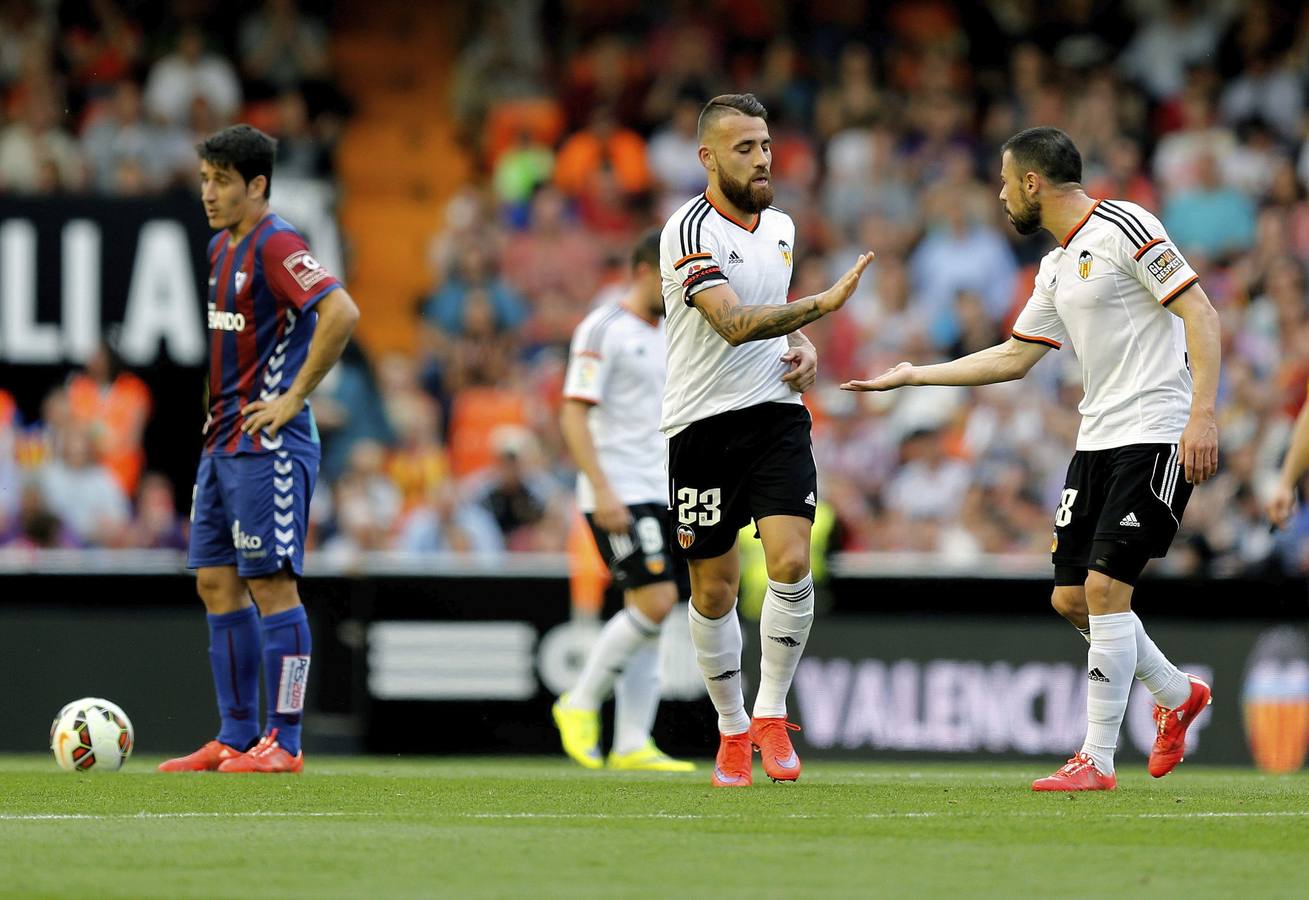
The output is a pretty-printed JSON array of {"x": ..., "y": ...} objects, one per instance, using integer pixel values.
[
  {"x": 1281, "y": 503},
  {"x": 1197, "y": 450},
  {"x": 738, "y": 324},
  {"x": 337, "y": 316},
  {"x": 1004, "y": 362},
  {"x": 611, "y": 513},
  {"x": 802, "y": 358}
]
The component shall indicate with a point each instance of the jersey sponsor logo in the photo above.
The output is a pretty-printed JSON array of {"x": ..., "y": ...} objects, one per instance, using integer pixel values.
[
  {"x": 785, "y": 249},
  {"x": 1130, "y": 521},
  {"x": 241, "y": 278},
  {"x": 1165, "y": 264},
  {"x": 306, "y": 270},
  {"x": 291, "y": 685},
  {"x": 1084, "y": 265},
  {"x": 225, "y": 321},
  {"x": 685, "y": 536},
  {"x": 734, "y": 259}
]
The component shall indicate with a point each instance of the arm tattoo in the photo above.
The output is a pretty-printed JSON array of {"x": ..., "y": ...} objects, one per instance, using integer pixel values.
[{"x": 740, "y": 324}]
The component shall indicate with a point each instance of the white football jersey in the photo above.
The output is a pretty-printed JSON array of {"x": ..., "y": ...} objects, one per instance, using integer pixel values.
[
  {"x": 1105, "y": 289},
  {"x": 616, "y": 364},
  {"x": 701, "y": 247}
]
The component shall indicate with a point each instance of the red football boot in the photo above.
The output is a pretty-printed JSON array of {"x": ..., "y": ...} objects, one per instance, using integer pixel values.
[
  {"x": 1078, "y": 774},
  {"x": 266, "y": 756},
  {"x": 1170, "y": 743},
  {"x": 207, "y": 759},
  {"x": 735, "y": 761},
  {"x": 775, "y": 749}
]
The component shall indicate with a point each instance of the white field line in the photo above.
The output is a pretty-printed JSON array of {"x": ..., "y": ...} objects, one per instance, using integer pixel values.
[
  {"x": 66, "y": 817},
  {"x": 1018, "y": 814}
]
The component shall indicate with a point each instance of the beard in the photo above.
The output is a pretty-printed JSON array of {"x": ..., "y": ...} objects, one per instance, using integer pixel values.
[
  {"x": 1028, "y": 219},
  {"x": 744, "y": 195}
]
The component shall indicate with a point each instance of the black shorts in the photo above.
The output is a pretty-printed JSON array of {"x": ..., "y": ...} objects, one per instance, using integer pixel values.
[
  {"x": 1135, "y": 494},
  {"x": 736, "y": 466},
  {"x": 640, "y": 556}
]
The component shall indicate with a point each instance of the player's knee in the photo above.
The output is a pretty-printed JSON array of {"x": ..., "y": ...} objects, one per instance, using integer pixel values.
[
  {"x": 789, "y": 565},
  {"x": 656, "y": 601},
  {"x": 275, "y": 593},
  {"x": 1066, "y": 604},
  {"x": 221, "y": 592}
]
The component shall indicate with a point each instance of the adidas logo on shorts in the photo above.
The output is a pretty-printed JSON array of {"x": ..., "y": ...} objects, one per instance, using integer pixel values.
[
  {"x": 811, "y": 500},
  {"x": 1131, "y": 521}
]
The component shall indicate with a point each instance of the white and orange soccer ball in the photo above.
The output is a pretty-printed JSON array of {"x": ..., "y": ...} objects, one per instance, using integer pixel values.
[{"x": 91, "y": 735}]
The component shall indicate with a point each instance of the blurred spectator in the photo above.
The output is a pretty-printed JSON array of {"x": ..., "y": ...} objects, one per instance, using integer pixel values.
[
  {"x": 280, "y": 47},
  {"x": 191, "y": 72},
  {"x": 1209, "y": 218},
  {"x": 521, "y": 169},
  {"x": 552, "y": 253},
  {"x": 101, "y": 45},
  {"x": 504, "y": 60},
  {"x": 35, "y": 527},
  {"x": 37, "y": 156},
  {"x": 348, "y": 408},
  {"x": 446, "y": 523},
  {"x": 156, "y": 525},
  {"x": 111, "y": 406},
  {"x": 515, "y": 491},
  {"x": 674, "y": 154},
  {"x": 1175, "y": 34},
  {"x": 121, "y": 137},
  {"x": 83, "y": 494},
  {"x": 300, "y": 153},
  {"x": 604, "y": 146}
]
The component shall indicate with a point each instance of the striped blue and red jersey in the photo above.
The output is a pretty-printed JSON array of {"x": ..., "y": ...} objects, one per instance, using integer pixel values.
[{"x": 262, "y": 293}]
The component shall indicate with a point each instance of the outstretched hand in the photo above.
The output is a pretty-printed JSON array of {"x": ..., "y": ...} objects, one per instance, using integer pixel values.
[
  {"x": 894, "y": 377},
  {"x": 832, "y": 299}
]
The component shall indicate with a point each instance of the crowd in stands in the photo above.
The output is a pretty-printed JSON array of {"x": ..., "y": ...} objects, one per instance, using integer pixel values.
[{"x": 886, "y": 122}]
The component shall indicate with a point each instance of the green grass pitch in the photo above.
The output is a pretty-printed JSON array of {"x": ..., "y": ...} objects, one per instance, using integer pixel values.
[{"x": 356, "y": 827}]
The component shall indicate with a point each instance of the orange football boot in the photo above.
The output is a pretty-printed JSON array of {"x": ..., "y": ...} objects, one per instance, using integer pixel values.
[
  {"x": 735, "y": 761},
  {"x": 207, "y": 759},
  {"x": 1170, "y": 743},
  {"x": 266, "y": 756},
  {"x": 775, "y": 749},
  {"x": 1078, "y": 774}
]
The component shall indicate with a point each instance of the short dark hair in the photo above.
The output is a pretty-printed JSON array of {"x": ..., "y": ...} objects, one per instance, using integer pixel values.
[
  {"x": 1047, "y": 151},
  {"x": 746, "y": 104},
  {"x": 646, "y": 249},
  {"x": 244, "y": 148}
]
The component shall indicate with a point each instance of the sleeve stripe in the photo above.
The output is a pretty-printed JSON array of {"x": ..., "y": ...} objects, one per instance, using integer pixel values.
[
  {"x": 1135, "y": 233},
  {"x": 1035, "y": 339},
  {"x": 1123, "y": 211},
  {"x": 589, "y": 401},
  {"x": 699, "y": 225},
  {"x": 1141, "y": 252},
  {"x": 594, "y": 337},
  {"x": 1178, "y": 290},
  {"x": 686, "y": 259},
  {"x": 696, "y": 227},
  {"x": 684, "y": 227}
]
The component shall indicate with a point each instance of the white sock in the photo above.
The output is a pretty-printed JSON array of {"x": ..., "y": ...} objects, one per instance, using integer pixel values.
[
  {"x": 636, "y": 697},
  {"x": 1165, "y": 681},
  {"x": 784, "y": 625},
  {"x": 1111, "y": 665},
  {"x": 619, "y": 639},
  {"x": 717, "y": 645}
]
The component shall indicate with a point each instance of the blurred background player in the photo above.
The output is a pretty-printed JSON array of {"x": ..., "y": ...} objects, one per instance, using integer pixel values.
[
  {"x": 278, "y": 321},
  {"x": 610, "y": 420},
  {"x": 739, "y": 436},
  {"x": 1151, "y": 382}
]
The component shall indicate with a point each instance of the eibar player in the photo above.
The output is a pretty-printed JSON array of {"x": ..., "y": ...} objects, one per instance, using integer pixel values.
[
  {"x": 739, "y": 443},
  {"x": 278, "y": 321},
  {"x": 1146, "y": 336},
  {"x": 610, "y": 421}
]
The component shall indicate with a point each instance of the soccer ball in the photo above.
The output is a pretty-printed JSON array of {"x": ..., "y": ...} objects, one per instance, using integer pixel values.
[{"x": 91, "y": 734}]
